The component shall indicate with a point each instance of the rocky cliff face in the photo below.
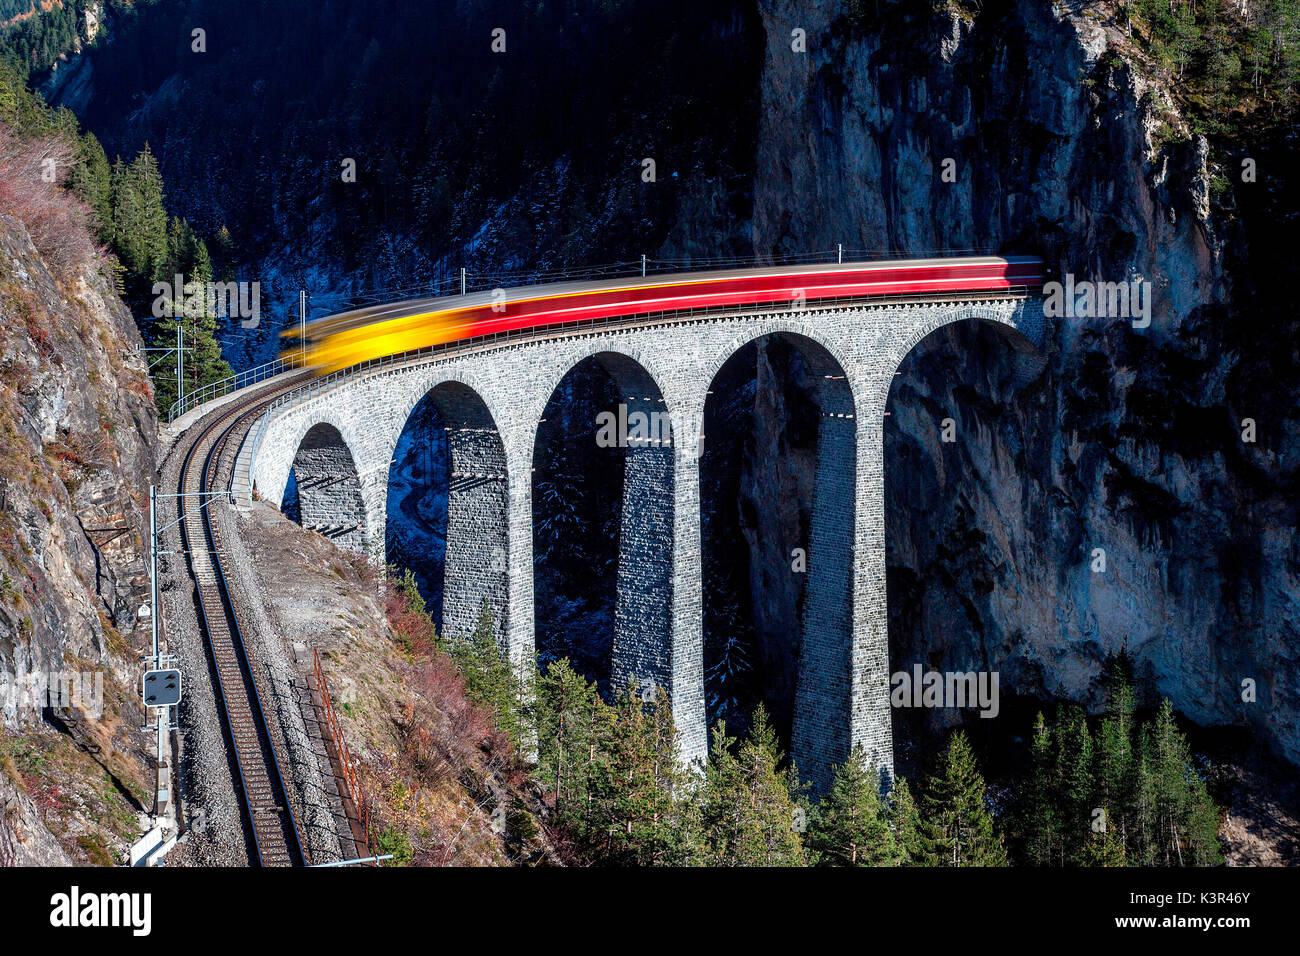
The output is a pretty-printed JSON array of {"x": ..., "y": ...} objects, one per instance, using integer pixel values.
[
  {"x": 77, "y": 429},
  {"x": 1130, "y": 441},
  {"x": 1047, "y": 126}
]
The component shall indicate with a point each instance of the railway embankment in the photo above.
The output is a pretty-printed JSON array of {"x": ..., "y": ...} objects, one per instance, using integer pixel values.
[{"x": 439, "y": 786}]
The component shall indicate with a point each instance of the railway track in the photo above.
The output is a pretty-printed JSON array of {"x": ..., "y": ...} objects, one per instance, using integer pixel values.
[{"x": 267, "y": 808}]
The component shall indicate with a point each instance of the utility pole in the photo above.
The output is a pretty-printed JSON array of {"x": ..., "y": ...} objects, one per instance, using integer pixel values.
[
  {"x": 462, "y": 280},
  {"x": 643, "y": 265},
  {"x": 180, "y": 372},
  {"x": 153, "y": 568},
  {"x": 180, "y": 351},
  {"x": 161, "y": 690},
  {"x": 302, "y": 323},
  {"x": 841, "y": 249},
  {"x": 163, "y": 788}
]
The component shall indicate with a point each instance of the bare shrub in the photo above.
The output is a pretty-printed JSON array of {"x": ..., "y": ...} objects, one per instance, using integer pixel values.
[
  {"x": 58, "y": 222},
  {"x": 410, "y": 623}
]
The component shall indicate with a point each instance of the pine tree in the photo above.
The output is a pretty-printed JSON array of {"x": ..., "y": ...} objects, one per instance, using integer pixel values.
[
  {"x": 491, "y": 678},
  {"x": 202, "y": 363},
  {"x": 202, "y": 260},
  {"x": 719, "y": 798},
  {"x": 92, "y": 180},
  {"x": 1174, "y": 821},
  {"x": 182, "y": 256},
  {"x": 223, "y": 255},
  {"x": 679, "y": 842},
  {"x": 151, "y": 227},
  {"x": 614, "y": 772},
  {"x": 850, "y": 827},
  {"x": 905, "y": 822},
  {"x": 1075, "y": 773},
  {"x": 1104, "y": 848},
  {"x": 749, "y": 805},
  {"x": 635, "y": 787},
  {"x": 124, "y": 203},
  {"x": 1145, "y": 826},
  {"x": 566, "y": 704},
  {"x": 958, "y": 824},
  {"x": 1043, "y": 842},
  {"x": 139, "y": 230},
  {"x": 1186, "y": 820},
  {"x": 1169, "y": 764},
  {"x": 1116, "y": 769},
  {"x": 1202, "y": 826}
]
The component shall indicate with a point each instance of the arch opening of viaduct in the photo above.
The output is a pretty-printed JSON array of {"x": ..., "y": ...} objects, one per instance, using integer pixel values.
[
  {"x": 445, "y": 508},
  {"x": 602, "y": 491},
  {"x": 323, "y": 491},
  {"x": 777, "y": 512},
  {"x": 961, "y": 422}
]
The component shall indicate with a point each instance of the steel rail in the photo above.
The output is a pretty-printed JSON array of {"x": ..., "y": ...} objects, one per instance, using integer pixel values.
[{"x": 267, "y": 807}]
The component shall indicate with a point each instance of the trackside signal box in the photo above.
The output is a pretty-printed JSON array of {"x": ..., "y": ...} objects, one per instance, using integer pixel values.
[{"x": 161, "y": 688}]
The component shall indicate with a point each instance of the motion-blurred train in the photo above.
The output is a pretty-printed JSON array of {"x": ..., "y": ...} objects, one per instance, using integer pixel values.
[{"x": 349, "y": 338}]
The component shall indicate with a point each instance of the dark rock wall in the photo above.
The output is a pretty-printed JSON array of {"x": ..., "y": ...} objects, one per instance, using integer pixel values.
[
  {"x": 77, "y": 438},
  {"x": 1129, "y": 440}
]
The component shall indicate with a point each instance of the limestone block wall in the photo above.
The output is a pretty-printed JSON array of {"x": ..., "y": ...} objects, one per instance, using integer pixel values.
[
  {"x": 474, "y": 574},
  {"x": 643, "y": 609},
  {"x": 329, "y": 493},
  {"x": 821, "y": 731}
]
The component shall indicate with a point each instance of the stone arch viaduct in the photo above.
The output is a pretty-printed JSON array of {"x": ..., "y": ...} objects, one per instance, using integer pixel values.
[{"x": 339, "y": 438}]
